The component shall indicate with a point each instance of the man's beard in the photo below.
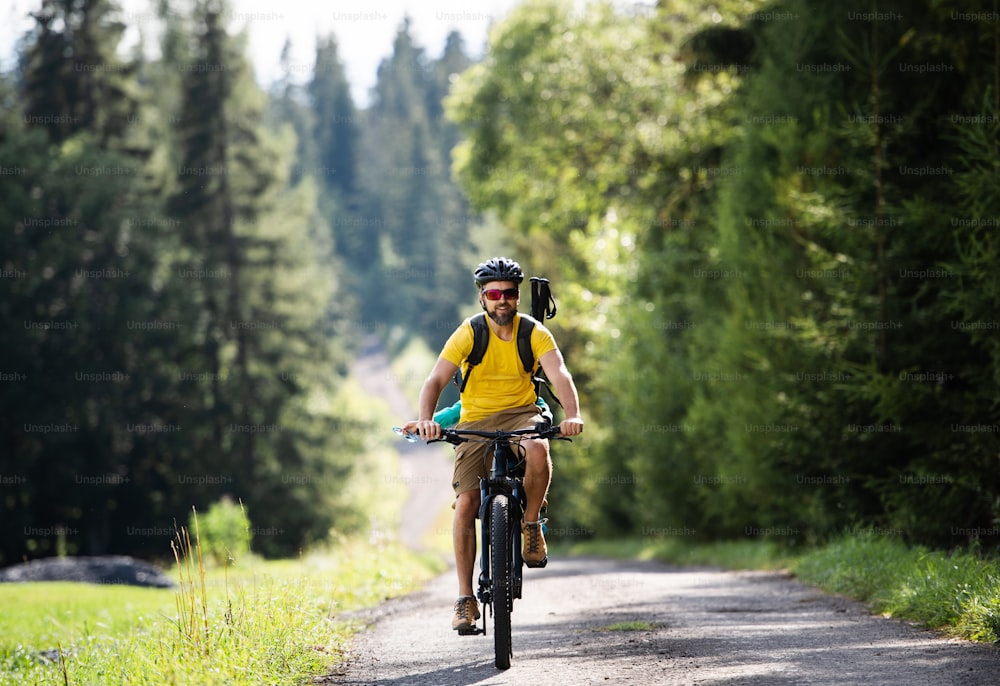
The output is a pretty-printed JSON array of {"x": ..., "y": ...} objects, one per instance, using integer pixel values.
[{"x": 503, "y": 319}]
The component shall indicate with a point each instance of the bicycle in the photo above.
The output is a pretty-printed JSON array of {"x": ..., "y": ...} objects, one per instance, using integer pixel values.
[{"x": 502, "y": 505}]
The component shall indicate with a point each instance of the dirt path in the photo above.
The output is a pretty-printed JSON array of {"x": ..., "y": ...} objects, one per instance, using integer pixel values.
[
  {"x": 425, "y": 470},
  {"x": 706, "y": 627}
]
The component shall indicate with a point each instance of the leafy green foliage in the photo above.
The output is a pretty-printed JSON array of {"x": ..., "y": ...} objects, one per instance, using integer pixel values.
[
  {"x": 784, "y": 340},
  {"x": 224, "y": 531}
]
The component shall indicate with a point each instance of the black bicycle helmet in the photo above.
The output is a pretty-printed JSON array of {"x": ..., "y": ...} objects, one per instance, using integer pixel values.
[{"x": 498, "y": 269}]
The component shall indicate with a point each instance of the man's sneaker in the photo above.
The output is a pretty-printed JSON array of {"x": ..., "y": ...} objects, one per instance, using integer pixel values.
[
  {"x": 466, "y": 614},
  {"x": 535, "y": 552}
]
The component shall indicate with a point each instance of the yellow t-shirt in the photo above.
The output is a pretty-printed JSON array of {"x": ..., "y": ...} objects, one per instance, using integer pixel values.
[{"x": 498, "y": 382}]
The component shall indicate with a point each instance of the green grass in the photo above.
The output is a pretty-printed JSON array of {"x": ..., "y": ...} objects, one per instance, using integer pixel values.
[
  {"x": 635, "y": 625},
  {"x": 956, "y": 593},
  {"x": 268, "y": 622},
  {"x": 45, "y": 615}
]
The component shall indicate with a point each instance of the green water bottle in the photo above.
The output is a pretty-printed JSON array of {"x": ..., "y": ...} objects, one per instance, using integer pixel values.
[{"x": 449, "y": 416}]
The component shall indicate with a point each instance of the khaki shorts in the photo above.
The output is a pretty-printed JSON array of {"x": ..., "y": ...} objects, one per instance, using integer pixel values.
[{"x": 469, "y": 463}]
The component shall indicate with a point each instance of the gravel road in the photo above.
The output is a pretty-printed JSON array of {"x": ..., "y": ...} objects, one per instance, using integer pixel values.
[
  {"x": 426, "y": 470},
  {"x": 704, "y": 627},
  {"x": 691, "y": 626}
]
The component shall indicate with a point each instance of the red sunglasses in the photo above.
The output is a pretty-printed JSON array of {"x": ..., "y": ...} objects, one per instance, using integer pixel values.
[{"x": 496, "y": 293}]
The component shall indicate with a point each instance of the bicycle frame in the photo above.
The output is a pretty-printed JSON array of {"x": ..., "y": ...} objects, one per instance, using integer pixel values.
[{"x": 500, "y": 482}]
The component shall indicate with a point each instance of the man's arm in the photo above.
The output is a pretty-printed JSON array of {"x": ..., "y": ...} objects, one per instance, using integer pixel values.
[
  {"x": 430, "y": 393},
  {"x": 555, "y": 370}
]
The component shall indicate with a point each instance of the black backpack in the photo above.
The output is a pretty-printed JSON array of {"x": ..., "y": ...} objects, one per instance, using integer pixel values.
[{"x": 543, "y": 306}]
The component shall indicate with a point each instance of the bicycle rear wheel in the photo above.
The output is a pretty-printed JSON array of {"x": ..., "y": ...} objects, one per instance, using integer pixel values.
[{"x": 501, "y": 563}]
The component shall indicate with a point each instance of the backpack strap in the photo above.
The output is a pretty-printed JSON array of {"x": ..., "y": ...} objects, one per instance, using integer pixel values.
[
  {"x": 524, "y": 330},
  {"x": 528, "y": 358},
  {"x": 480, "y": 339}
]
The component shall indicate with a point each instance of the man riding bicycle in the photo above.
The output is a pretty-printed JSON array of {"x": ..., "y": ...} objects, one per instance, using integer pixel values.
[{"x": 500, "y": 395}]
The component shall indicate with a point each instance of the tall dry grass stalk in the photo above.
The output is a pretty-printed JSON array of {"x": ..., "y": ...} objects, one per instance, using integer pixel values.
[{"x": 192, "y": 598}]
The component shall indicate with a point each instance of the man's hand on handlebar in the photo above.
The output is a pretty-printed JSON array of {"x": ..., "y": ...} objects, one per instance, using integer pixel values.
[
  {"x": 572, "y": 426},
  {"x": 427, "y": 429}
]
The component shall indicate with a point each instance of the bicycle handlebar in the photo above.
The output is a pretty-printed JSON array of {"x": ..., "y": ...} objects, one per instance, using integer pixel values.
[{"x": 456, "y": 436}]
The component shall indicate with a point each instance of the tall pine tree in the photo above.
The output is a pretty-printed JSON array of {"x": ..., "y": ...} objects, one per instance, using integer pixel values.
[
  {"x": 423, "y": 243},
  {"x": 263, "y": 315},
  {"x": 90, "y": 253},
  {"x": 74, "y": 80}
]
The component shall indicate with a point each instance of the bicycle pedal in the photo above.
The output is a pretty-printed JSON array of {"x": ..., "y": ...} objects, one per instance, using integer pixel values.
[
  {"x": 537, "y": 565},
  {"x": 470, "y": 631}
]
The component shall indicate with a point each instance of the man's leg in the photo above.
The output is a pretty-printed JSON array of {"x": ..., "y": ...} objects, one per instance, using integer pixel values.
[
  {"x": 464, "y": 539},
  {"x": 537, "y": 476},
  {"x": 468, "y": 471}
]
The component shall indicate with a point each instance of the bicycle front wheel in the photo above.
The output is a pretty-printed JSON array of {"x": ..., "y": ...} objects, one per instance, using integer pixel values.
[{"x": 501, "y": 562}]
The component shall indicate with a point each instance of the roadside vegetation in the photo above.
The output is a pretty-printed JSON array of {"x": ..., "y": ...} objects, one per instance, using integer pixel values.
[
  {"x": 252, "y": 621},
  {"x": 956, "y": 592}
]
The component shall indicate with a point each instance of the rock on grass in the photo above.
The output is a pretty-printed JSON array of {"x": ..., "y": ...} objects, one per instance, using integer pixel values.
[{"x": 118, "y": 569}]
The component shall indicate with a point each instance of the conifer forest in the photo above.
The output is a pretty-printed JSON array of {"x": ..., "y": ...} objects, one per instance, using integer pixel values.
[{"x": 772, "y": 229}]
